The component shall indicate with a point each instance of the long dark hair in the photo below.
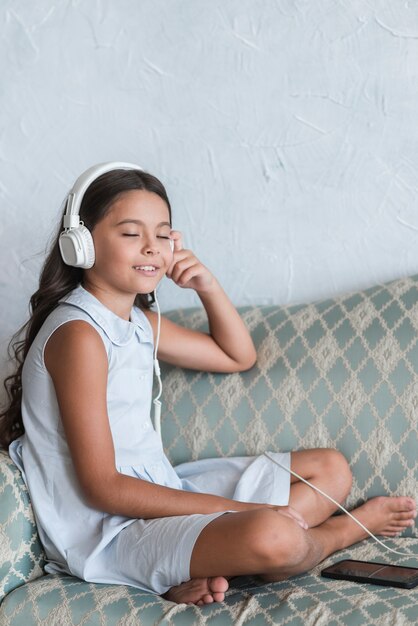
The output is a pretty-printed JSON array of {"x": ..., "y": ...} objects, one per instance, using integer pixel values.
[{"x": 57, "y": 279}]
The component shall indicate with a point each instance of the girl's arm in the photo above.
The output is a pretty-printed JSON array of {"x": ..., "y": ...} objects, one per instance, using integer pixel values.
[{"x": 228, "y": 347}]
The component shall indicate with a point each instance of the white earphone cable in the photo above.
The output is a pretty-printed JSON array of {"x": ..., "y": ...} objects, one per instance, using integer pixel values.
[
  {"x": 156, "y": 401},
  {"x": 409, "y": 554}
]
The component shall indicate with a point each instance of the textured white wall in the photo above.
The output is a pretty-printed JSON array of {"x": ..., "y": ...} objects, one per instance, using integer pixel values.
[{"x": 285, "y": 132}]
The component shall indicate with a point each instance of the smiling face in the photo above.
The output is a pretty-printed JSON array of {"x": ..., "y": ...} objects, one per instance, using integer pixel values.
[{"x": 132, "y": 247}]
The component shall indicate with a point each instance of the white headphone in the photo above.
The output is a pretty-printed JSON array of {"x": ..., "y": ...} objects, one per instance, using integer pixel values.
[{"x": 75, "y": 242}]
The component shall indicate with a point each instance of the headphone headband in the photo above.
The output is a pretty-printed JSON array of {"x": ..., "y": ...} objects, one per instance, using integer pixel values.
[
  {"x": 76, "y": 242},
  {"x": 76, "y": 194}
]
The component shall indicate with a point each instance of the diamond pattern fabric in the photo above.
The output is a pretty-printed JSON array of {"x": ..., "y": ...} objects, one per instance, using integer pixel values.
[
  {"x": 337, "y": 373},
  {"x": 305, "y": 600},
  {"x": 21, "y": 554}
]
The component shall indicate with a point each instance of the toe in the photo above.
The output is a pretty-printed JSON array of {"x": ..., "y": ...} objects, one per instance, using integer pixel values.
[
  {"x": 207, "y": 598},
  {"x": 402, "y": 516},
  {"x": 219, "y": 596},
  {"x": 394, "y": 529},
  {"x": 218, "y": 583},
  {"x": 407, "y": 504}
]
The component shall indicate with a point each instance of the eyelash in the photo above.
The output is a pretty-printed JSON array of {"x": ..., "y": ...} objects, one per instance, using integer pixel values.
[{"x": 132, "y": 235}]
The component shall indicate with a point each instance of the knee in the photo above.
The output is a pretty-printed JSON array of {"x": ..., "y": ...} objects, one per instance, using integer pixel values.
[
  {"x": 335, "y": 464},
  {"x": 276, "y": 540}
]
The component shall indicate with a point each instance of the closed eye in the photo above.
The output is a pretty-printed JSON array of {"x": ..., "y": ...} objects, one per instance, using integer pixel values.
[{"x": 134, "y": 235}]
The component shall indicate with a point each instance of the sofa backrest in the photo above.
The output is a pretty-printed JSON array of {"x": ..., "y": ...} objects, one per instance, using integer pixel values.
[{"x": 337, "y": 373}]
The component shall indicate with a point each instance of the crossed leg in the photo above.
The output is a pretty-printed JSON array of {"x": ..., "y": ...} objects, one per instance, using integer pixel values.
[
  {"x": 267, "y": 543},
  {"x": 328, "y": 470}
]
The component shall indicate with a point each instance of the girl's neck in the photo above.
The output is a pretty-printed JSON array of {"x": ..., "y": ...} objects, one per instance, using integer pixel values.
[{"x": 119, "y": 304}]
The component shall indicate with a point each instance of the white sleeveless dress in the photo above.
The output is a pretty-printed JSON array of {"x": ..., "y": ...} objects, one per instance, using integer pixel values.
[{"x": 152, "y": 555}]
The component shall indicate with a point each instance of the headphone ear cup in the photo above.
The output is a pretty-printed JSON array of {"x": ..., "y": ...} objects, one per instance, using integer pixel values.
[
  {"x": 88, "y": 247},
  {"x": 77, "y": 247}
]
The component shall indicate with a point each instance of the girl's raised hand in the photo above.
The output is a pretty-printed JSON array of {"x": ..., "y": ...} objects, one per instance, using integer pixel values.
[{"x": 186, "y": 270}]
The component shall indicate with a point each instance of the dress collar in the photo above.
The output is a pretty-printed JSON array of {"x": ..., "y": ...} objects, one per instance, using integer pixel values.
[{"x": 119, "y": 331}]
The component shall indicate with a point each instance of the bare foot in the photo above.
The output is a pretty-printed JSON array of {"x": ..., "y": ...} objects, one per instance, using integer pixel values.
[
  {"x": 199, "y": 591},
  {"x": 385, "y": 515}
]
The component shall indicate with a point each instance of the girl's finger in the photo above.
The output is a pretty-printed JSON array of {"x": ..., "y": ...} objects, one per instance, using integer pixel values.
[
  {"x": 187, "y": 275},
  {"x": 181, "y": 268},
  {"x": 177, "y": 237},
  {"x": 180, "y": 256}
]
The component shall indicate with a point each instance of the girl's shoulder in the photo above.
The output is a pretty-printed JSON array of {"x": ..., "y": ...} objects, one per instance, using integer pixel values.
[
  {"x": 73, "y": 306},
  {"x": 81, "y": 304},
  {"x": 61, "y": 314}
]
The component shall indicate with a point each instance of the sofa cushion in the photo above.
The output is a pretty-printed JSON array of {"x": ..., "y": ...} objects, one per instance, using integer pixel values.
[
  {"x": 21, "y": 554},
  {"x": 337, "y": 373},
  {"x": 304, "y": 600}
]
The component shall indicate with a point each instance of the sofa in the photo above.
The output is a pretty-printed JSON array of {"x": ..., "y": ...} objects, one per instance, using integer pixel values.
[{"x": 338, "y": 373}]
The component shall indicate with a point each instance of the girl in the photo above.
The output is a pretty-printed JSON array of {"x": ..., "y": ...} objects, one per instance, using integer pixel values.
[{"x": 109, "y": 506}]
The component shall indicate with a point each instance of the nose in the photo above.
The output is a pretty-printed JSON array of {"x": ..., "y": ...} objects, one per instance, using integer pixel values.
[
  {"x": 151, "y": 251},
  {"x": 150, "y": 247}
]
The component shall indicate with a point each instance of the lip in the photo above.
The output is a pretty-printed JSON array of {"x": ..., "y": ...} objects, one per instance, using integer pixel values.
[{"x": 153, "y": 272}]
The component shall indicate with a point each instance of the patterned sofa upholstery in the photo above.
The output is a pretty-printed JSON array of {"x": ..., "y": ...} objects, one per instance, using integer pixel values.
[{"x": 337, "y": 373}]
